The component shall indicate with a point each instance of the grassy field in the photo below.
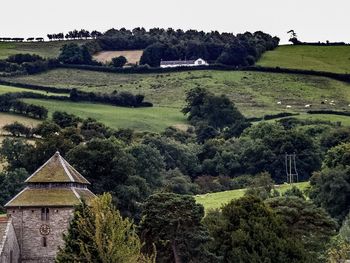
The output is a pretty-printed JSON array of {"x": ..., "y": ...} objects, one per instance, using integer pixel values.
[
  {"x": 9, "y": 89},
  {"x": 132, "y": 56},
  {"x": 254, "y": 93},
  {"x": 216, "y": 200},
  {"x": 321, "y": 58},
  {"x": 154, "y": 119},
  {"x": 44, "y": 49},
  {"x": 7, "y": 118}
]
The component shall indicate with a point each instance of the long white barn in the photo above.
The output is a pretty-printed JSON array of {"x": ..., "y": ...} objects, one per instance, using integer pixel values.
[{"x": 183, "y": 63}]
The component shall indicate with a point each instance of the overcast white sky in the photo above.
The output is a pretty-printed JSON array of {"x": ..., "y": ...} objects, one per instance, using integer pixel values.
[{"x": 313, "y": 20}]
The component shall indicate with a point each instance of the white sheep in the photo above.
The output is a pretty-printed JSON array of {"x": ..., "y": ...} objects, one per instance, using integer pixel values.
[
  {"x": 279, "y": 102},
  {"x": 288, "y": 106},
  {"x": 308, "y": 106}
]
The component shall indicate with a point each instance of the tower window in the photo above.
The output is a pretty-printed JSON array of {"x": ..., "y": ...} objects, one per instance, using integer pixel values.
[
  {"x": 45, "y": 214},
  {"x": 44, "y": 242}
]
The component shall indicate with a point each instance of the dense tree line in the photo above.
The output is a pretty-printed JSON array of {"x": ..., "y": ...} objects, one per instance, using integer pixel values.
[
  {"x": 169, "y": 44},
  {"x": 26, "y": 64},
  {"x": 8, "y": 104},
  {"x": 123, "y": 99},
  {"x": 139, "y": 170},
  {"x": 20, "y": 39}
]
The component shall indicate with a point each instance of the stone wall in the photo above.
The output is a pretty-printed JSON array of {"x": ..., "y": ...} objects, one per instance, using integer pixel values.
[
  {"x": 10, "y": 249},
  {"x": 27, "y": 223}
]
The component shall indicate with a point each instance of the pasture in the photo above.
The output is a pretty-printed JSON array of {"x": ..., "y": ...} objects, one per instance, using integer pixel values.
[
  {"x": 217, "y": 200},
  {"x": 254, "y": 93},
  {"x": 49, "y": 49},
  {"x": 10, "y": 89},
  {"x": 132, "y": 56},
  {"x": 153, "y": 119},
  {"x": 320, "y": 58}
]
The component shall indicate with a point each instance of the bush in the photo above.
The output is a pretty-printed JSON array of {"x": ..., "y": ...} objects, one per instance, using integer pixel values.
[{"x": 119, "y": 62}]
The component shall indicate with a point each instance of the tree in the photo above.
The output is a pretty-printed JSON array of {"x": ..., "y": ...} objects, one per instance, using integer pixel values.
[
  {"x": 344, "y": 231},
  {"x": 111, "y": 168},
  {"x": 178, "y": 183},
  {"x": 339, "y": 251},
  {"x": 11, "y": 182},
  {"x": 309, "y": 224},
  {"x": 74, "y": 54},
  {"x": 119, "y": 62},
  {"x": 261, "y": 186},
  {"x": 17, "y": 129},
  {"x": 247, "y": 230},
  {"x": 98, "y": 233},
  {"x": 338, "y": 155},
  {"x": 149, "y": 164},
  {"x": 64, "y": 120},
  {"x": 330, "y": 189},
  {"x": 173, "y": 223},
  {"x": 15, "y": 153},
  {"x": 153, "y": 54},
  {"x": 209, "y": 112}
]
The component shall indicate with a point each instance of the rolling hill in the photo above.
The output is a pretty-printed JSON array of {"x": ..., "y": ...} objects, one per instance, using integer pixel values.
[
  {"x": 45, "y": 49},
  {"x": 254, "y": 93},
  {"x": 320, "y": 58}
]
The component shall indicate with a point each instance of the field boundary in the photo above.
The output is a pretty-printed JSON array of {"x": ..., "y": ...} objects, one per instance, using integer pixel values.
[
  {"x": 146, "y": 70},
  {"x": 34, "y": 87}
]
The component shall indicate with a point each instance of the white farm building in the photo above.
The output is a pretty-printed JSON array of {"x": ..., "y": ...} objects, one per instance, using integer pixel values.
[{"x": 183, "y": 63}]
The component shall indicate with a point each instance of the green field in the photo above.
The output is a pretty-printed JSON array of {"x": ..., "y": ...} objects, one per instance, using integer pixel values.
[
  {"x": 216, "y": 200},
  {"x": 154, "y": 119},
  {"x": 44, "y": 49},
  {"x": 255, "y": 93},
  {"x": 321, "y": 58},
  {"x": 9, "y": 89}
]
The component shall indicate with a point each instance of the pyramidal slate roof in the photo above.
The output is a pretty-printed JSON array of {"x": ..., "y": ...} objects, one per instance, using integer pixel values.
[
  {"x": 56, "y": 183},
  {"x": 56, "y": 170}
]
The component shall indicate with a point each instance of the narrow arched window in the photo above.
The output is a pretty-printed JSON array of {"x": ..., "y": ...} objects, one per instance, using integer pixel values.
[
  {"x": 45, "y": 214},
  {"x": 44, "y": 242}
]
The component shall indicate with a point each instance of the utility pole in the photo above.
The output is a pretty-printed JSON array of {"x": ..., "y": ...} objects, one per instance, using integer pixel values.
[{"x": 291, "y": 168}]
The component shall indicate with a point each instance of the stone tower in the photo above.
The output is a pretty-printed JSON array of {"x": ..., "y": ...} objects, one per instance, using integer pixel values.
[{"x": 41, "y": 212}]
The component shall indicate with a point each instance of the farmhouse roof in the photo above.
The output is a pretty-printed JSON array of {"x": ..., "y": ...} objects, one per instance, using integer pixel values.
[
  {"x": 177, "y": 62},
  {"x": 57, "y": 170}
]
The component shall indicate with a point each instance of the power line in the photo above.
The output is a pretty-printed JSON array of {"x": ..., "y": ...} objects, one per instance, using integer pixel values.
[{"x": 291, "y": 168}]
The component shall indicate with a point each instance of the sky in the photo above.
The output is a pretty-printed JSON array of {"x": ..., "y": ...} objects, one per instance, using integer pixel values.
[{"x": 312, "y": 20}]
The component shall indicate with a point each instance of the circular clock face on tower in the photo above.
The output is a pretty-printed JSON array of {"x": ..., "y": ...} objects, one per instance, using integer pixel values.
[{"x": 45, "y": 230}]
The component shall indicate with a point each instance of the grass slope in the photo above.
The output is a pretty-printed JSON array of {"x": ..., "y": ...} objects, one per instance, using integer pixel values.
[
  {"x": 9, "y": 89},
  {"x": 216, "y": 200},
  {"x": 154, "y": 119},
  {"x": 255, "y": 93},
  {"x": 44, "y": 49},
  {"x": 321, "y": 58},
  {"x": 7, "y": 118}
]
